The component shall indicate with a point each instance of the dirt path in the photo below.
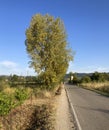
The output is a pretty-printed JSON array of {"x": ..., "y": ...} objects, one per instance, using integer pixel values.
[{"x": 63, "y": 115}]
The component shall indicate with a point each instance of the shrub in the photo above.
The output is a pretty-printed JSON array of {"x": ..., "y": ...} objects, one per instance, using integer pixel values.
[
  {"x": 86, "y": 79},
  {"x": 21, "y": 94},
  {"x": 6, "y": 103}
]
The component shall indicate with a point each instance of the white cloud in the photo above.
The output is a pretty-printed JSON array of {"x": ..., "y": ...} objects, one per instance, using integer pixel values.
[
  {"x": 10, "y": 67},
  {"x": 98, "y": 68},
  {"x": 102, "y": 69},
  {"x": 29, "y": 71},
  {"x": 8, "y": 64},
  {"x": 87, "y": 69}
]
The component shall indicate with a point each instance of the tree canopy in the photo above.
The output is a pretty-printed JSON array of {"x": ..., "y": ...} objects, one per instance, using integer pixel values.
[{"x": 46, "y": 44}]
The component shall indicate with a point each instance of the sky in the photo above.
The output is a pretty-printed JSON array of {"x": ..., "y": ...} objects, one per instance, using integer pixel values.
[{"x": 87, "y": 27}]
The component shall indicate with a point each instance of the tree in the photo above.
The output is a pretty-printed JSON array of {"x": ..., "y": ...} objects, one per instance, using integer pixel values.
[
  {"x": 99, "y": 77},
  {"x": 76, "y": 79},
  {"x": 14, "y": 78},
  {"x": 47, "y": 48},
  {"x": 70, "y": 77},
  {"x": 86, "y": 79}
]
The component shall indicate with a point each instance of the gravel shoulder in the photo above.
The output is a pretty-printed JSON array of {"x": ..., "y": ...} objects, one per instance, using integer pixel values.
[{"x": 64, "y": 120}]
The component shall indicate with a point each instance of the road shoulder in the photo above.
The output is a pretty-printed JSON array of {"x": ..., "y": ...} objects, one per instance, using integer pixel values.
[{"x": 64, "y": 120}]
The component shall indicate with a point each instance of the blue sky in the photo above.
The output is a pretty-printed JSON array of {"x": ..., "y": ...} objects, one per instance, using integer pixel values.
[{"x": 86, "y": 23}]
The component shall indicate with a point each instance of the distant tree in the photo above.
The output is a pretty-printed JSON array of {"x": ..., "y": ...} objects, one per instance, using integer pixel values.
[
  {"x": 106, "y": 76},
  {"x": 99, "y": 77},
  {"x": 48, "y": 49},
  {"x": 31, "y": 78},
  {"x": 70, "y": 77},
  {"x": 14, "y": 78},
  {"x": 74, "y": 79},
  {"x": 85, "y": 79}
]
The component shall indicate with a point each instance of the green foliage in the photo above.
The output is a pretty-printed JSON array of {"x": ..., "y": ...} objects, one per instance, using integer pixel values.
[
  {"x": 30, "y": 79},
  {"x": 88, "y": 78},
  {"x": 85, "y": 79},
  {"x": 100, "y": 77},
  {"x": 21, "y": 94},
  {"x": 75, "y": 79},
  {"x": 9, "y": 101},
  {"x": 70, "y": 77},
  {"x": 48, "y": 79},
  {"x": 14, "y": 78},
  {"x": 6, "y": 103},
  {"x": 47, "y": 47}
]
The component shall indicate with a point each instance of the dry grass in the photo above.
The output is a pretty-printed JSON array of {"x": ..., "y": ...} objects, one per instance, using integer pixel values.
[
  {"x": 9, "y": 90},
  {"x": 35, "y": 113},
  {"x": 101, "y": 86},
  {"x": 29, "y": 117},
  {"x": 38, "y": 109}
]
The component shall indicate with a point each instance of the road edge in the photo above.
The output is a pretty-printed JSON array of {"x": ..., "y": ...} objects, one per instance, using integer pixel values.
[{"x": 74, "y": 112}]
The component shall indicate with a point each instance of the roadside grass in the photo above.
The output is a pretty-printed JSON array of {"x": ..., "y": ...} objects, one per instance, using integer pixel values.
[
  {"x": 99, "y": 87},
  {"x": 9, "y": 90},
  {"x": 37, "y": 116},
  {"x": 3, "y": 85},
  {"x": 26, "y": 108}
]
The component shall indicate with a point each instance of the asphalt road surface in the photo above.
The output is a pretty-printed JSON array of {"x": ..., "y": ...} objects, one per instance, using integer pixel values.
[{"x": 92, "y": 109}]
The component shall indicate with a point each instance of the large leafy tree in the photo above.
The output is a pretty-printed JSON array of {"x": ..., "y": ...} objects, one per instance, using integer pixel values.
[{"x": 46, "y": 44}]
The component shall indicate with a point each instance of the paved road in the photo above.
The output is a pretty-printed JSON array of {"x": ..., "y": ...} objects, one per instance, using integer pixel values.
[{"x": 91, "y": 108}]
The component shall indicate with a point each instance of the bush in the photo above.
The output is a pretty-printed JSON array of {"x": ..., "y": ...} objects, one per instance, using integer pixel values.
[
  {"x": 86, "y": 79},
  {"x": 21, "y": 94},
  {"x": 6, "y": 103}
]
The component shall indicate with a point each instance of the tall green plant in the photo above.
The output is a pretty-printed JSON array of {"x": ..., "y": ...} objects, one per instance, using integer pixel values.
[
  {"x": 6, "y": 103},
  {"x": 21, "y": 94}
]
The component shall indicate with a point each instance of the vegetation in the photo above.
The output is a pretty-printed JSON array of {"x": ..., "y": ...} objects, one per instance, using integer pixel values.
[
  {"x": 15, "y": 113},
  {"x": 73, "y": 78},
  {"x": 21, "y": 94},
  {"x": 29, "y": 117},
  {"x": 14, "y": 92},
  {"x": 100, "y": 86},
  {"x": 48, "y": 49},
  {"x": 95, "y": 81},
  {"x": 41, "y": 118},
  {"x": 6, "y": 103},
  {"x": 9, "y": 101}
]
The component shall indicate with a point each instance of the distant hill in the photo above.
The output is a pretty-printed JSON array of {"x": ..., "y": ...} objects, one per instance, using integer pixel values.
[{"x": 80, "y": 75}]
